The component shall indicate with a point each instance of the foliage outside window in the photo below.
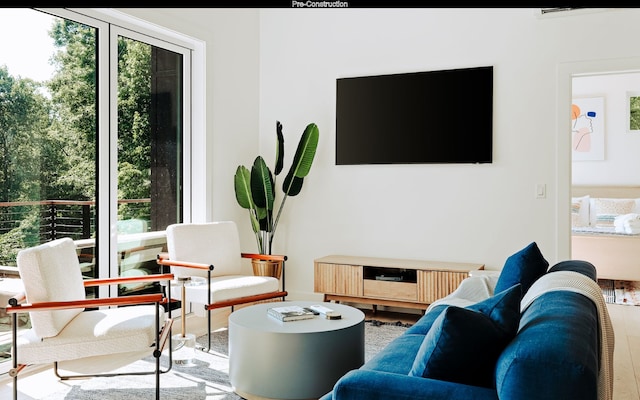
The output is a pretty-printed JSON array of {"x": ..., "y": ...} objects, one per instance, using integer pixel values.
[
  {"x": 634, "y": 111},
  {"x": 48, "y": 135}
]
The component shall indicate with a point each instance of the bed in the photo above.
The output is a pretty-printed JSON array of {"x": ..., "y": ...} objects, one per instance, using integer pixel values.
[{"x": 615, "y": 252}]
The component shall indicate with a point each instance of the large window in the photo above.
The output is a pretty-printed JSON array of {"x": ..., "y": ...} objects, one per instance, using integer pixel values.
[
  {"x": 95, "y": 145},
  {"x": 47, "y": 103}
]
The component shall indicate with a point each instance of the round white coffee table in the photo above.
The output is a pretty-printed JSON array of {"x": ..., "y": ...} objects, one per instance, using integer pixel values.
[{"x": 303, "y": 359}]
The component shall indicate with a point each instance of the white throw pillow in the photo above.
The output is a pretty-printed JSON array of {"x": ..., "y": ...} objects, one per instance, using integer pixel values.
[
  {"x": 580, "y": 211},
  {"x": 604, "y": 210}
]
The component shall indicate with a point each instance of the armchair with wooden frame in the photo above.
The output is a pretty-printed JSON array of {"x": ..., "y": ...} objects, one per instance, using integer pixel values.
[
  {"x": 83, "y": 335},
  {"x": 211, "y": 252}
]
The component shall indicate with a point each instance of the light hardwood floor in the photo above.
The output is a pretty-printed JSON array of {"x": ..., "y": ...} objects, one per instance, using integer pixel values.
[
  {"x": 625, "y": 320},
  {"x": 626, "y": 357}
]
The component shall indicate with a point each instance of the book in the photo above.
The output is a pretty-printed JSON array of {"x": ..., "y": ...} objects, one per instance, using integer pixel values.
[{"x": 289, "y": 313}]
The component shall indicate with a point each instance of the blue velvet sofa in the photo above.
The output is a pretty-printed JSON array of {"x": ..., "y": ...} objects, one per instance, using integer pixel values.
[{"x": 493, "y": 339}]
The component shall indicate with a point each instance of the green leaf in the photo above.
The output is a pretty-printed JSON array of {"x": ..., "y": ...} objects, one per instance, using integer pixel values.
[
  {"x": 242, "y": 186},
  {"x": 262, "y": 191},
  {"x": 279, "y": 149},
  {"x": 293, "y": 183},
  {"x": 302, "y": 160},
  {"x": 255, "y": 224}
]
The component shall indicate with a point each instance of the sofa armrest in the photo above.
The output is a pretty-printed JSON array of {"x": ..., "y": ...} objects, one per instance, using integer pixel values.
[
  {"x": 470, "y": 291},
  {"x": 485, "y": 272},
  {"x": 374, "y": 385},
  {"x": 490, "y": 275}
]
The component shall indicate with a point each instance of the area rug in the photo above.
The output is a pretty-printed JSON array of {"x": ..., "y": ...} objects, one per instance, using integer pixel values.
[
  {"x": 206, "y": 379},
  {"x": 620, "y": 292}
]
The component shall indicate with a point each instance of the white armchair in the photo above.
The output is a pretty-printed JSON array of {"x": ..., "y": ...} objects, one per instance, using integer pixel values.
[
  {"x": 211, "y": 251},
  {"x": 67, "y": 328}
]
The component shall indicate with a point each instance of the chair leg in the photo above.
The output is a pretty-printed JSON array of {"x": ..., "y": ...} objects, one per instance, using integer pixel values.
[
  {"x": 209, "y": 330},
  {"x": 158, "y": 377},
  {"x": 14, "y": 337},
  {"x": 208, "y": 348},
  {"x": 16, "y": 368},
  {"x": 157, "y": 353}
]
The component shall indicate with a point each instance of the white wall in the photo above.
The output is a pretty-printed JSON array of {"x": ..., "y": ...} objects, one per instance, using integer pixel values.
[
  {"x": 621, "y": 164},
  {"x": 474, "y": 213}
]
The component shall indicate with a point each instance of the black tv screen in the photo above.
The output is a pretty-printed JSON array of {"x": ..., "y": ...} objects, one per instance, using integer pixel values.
[{"x": 415, "y": 118}]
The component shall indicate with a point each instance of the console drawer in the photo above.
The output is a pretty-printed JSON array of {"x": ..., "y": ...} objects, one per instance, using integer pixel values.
[{"x": 391, "y": 290}]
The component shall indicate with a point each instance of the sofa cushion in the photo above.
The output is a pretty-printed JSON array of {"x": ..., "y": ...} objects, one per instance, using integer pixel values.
[
  {"x": 556, "y": 351},
  {"x": 583, "y": 267},
  {"x": 397, "y": 357},
  {"x": 422, "y": 326},
  {"x": 463, "y": 344},
  {"x": 523, "y": 267}
]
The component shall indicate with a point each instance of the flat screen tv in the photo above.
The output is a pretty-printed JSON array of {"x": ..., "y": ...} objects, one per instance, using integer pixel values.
[{"x": 432, "y": 117}]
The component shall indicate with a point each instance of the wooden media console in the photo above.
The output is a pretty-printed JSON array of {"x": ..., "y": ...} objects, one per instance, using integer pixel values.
[{"x": 387, "y": 281}]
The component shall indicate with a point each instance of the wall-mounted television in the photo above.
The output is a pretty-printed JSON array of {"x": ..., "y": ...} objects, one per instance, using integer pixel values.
[{"x": 430, "y": 117}]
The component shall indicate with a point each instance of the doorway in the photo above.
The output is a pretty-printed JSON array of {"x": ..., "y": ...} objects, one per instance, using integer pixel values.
[{"x": 566, "y": 73}]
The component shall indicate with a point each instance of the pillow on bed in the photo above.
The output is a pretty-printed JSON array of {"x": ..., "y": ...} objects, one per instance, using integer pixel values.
[
  {"x": 580, "y": 211},
  {"x": 605, "y": 210}
]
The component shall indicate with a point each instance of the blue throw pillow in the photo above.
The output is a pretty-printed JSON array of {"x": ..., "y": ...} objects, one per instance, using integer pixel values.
[
  {"x": 523, "y": 267},
  {"x": 463, "y": 344}
]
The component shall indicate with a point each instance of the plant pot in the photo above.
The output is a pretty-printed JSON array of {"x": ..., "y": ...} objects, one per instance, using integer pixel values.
[{"x": 267, "y": 268}]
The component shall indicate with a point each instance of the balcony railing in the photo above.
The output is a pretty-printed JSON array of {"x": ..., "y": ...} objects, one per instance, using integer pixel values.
[
  {"x": 36, "y": 222},
  {"x": 29, "y": 223}
]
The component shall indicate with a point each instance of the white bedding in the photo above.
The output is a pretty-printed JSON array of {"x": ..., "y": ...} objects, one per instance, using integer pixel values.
[
  {"x": 594, "y": 230},
  {"x": 615, "y": 254}
]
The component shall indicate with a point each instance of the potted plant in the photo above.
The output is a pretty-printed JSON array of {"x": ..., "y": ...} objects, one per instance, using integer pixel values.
[{"x": 256, "y": 188}]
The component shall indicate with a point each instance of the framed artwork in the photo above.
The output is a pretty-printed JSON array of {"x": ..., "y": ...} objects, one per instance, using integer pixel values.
[
  {"x": 587, "y": 129},
  {"x": 633, "y": 112}
]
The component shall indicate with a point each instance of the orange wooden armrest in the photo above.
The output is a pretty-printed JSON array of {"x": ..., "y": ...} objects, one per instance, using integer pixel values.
[
  {"x": 20, "y": 297},
  {"x": 107, "y": 301},
  {"x": 266, "y": 257},
  {"x": 187, "y": 264},
  {"x": 166, "y": 331},
  {"x": 128, "y": 279}
]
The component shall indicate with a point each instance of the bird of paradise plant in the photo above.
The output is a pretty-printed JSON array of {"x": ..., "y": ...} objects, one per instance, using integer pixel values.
[{"x": 255, "y": 188}]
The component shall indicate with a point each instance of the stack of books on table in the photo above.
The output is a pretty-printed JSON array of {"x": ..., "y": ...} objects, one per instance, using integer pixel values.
[{"x": 290, "y": 313}]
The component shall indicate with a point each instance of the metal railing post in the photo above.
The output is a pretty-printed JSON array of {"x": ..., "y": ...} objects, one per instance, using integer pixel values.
[
  {"x": 86, "y": 221},
  {"x": 52, "y": 221}
]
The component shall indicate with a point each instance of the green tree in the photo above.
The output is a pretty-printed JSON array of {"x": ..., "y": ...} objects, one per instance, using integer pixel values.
[
  {"x": 634, "y": 113},
  {"x": 23, "y": 127},
  {"x": 134, "y": 129},
  {"x": 73, "y": 97},
  {"x": 48, "y": 144}
]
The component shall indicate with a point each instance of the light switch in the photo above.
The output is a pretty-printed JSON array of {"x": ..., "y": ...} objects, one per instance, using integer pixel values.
[{"x": 541, "y": 191}]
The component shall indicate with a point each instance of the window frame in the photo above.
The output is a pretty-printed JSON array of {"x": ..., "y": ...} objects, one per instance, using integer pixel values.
[{"x": 111, "y": 24}]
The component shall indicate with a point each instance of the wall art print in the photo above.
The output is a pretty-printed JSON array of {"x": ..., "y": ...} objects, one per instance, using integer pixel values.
[{"x": 587, "y": 129}]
